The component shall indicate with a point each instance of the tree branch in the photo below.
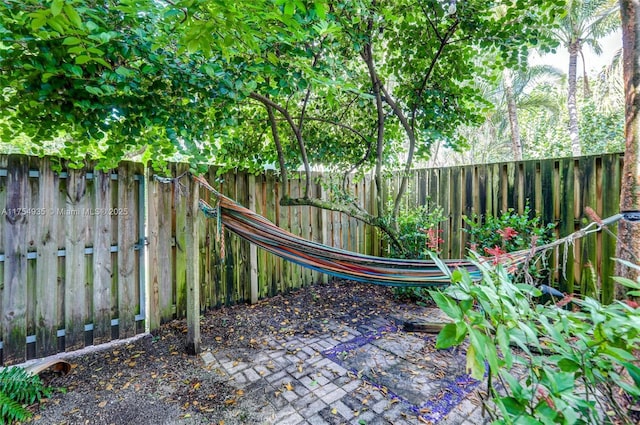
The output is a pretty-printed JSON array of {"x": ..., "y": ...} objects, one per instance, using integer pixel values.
[
  {"x": 357, "y": 213},
  {"x": 296, "y": 131},
  {"x": 276, "y": 139}
]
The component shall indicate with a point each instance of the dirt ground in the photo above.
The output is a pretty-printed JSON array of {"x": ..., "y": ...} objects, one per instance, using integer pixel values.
[{"x": 153, "y": 381}]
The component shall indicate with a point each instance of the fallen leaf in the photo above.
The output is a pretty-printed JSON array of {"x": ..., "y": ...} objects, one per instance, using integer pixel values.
[{"x": 102, "y": 404}]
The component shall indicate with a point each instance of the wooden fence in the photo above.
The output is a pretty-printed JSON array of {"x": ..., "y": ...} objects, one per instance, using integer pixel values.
[
  {"x": 89, "y": 256},
  {"x": 558, "y": 190},
  {"x": 70, "y": 262}
]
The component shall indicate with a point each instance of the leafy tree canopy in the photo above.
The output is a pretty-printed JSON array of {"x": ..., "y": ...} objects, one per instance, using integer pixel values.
[
  {"x": 357, "y": 85},
  {"x": 106, "y": 78}
]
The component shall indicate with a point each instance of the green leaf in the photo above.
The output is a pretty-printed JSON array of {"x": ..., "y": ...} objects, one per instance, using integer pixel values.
[
  {"x": 56, "y": 7},
  {"x": 71, "y": 41},
  {"x": 102, "y": 62},
  {"x": 321, "y": 9},
  {"x": 447, "y": 305},
  {"x": 502, "y": 337},
  {"x": 94, "y": 90},
  {"x": 289, "y": 8},
  {"x": 448, "y": 336},
  {"x": 568, "y": 365},
  {"x": 634, "y": 372},
  {"x": 627, "y": 282},
  {"x": 512, "y": 406},
  {"x": 73, "y": 16},
  {"x": 619, "y": 353},
  {"x": 82, "y": 59},
  {"x": 474, "y": 366},
  {"x": 633, "y": 390},
  {"x": 123, "y": 71},
  {"x": 38, "y": 22}
]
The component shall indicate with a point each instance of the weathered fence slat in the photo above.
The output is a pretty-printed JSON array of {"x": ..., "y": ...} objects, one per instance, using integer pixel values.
[
  {"x": 14, "y": 296},
  {"x": 127, "y": 239},
  {"x": 76, "y": 309},
  {"x": 47, "y": 296},
  {"x": 102, "y": 258}
]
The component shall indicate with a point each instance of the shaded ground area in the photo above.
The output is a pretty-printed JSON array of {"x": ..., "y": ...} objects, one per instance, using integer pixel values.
[{"x": 286, "y": 360}]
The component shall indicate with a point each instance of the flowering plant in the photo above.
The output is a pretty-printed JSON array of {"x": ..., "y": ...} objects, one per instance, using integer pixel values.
[{"x": 496, "y": 237}]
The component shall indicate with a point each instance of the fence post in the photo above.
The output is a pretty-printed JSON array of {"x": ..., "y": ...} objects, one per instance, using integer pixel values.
[{"x": 193, "y": 269}]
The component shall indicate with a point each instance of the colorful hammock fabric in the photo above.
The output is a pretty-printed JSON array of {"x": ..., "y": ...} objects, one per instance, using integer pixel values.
[
  {"x": 345, "y": 264},
  {"x": 336, "y": 262}
]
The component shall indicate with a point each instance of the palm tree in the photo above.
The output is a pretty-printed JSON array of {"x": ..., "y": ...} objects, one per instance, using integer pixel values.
[
  {"x": 517, "y": 88},
  {"x": 501, "y": 136},
  {"x": 586, "y": 22}
]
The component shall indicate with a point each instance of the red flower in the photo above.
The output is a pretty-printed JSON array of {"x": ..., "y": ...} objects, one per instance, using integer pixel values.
[
  {"x": 632, "y": 304},
  {"x": 433, "y": 239},
  {"x": 496, "y": 252},
  {"x": 507, "y": 233}
]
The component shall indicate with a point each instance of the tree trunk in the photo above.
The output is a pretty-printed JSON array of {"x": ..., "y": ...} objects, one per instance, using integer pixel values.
[
  {"x": 516, "y": 141},
  {"x": 572, "y": 106},
  {"x": 628, "y": 247}
]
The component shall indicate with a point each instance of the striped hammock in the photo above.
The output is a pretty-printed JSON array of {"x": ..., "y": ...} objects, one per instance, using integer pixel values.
[
  {"x": 336, "y": 262},
  {"x": 345, "y": 264}
]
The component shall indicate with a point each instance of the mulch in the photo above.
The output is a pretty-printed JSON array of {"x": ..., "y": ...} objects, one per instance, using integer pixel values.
[{"x": 152, "y": 380}]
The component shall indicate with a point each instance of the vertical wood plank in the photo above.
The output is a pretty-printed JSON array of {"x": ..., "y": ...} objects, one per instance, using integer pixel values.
[
  {"x": 154, "y": 259},
  {"x": 253, "y": 249},
  {"x": 444, "y": 191},
  {"x": 193, "y": 267},
  {"x": 127, "y": 239},
  {"x": 102, "y": 265},
  {"x": 76, "y": 310},
  {"x": 166, "y": 287},
  {"x": 456, "y": 196},
  {"x": 567, "y": 224},
  {"x": 610, "y": 206},
  {"x": 47, "y": 300},
  {"x": 14, "y": 295},
  {"x": 180, "y": 264},
  {"x": 273, "y": 192}
]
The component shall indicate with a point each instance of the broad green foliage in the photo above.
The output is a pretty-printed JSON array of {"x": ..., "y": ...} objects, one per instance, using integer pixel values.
[
  {"x": 102, "y": 80},
  {"x": 18, "y": 388},
  {"x": 131, "y": 73},
  {"x": 352, "y": 86},
  {"x": 602, "y": 131},
  {"x": 419, "y": 234},
  {"x": 509, "y": 232},
  {"x": 544, "y": 364}
]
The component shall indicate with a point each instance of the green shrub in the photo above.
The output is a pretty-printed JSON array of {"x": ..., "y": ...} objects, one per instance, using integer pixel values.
[
  {"x": 544, "y": 364},
  {"x": 420, "y": 234},
  {"x": 18, "y": 389},
  {"x": 509, "y": 232}
]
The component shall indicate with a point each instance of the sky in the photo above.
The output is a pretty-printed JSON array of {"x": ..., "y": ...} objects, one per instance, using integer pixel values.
[{"x": 610, "y": 45}]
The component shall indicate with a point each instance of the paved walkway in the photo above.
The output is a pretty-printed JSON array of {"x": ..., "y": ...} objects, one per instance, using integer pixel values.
[{"x": 372, "y": 374}]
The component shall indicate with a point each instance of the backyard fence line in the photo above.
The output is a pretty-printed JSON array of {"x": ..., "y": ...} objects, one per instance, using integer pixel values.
[{"x": 89, "y": 256}]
